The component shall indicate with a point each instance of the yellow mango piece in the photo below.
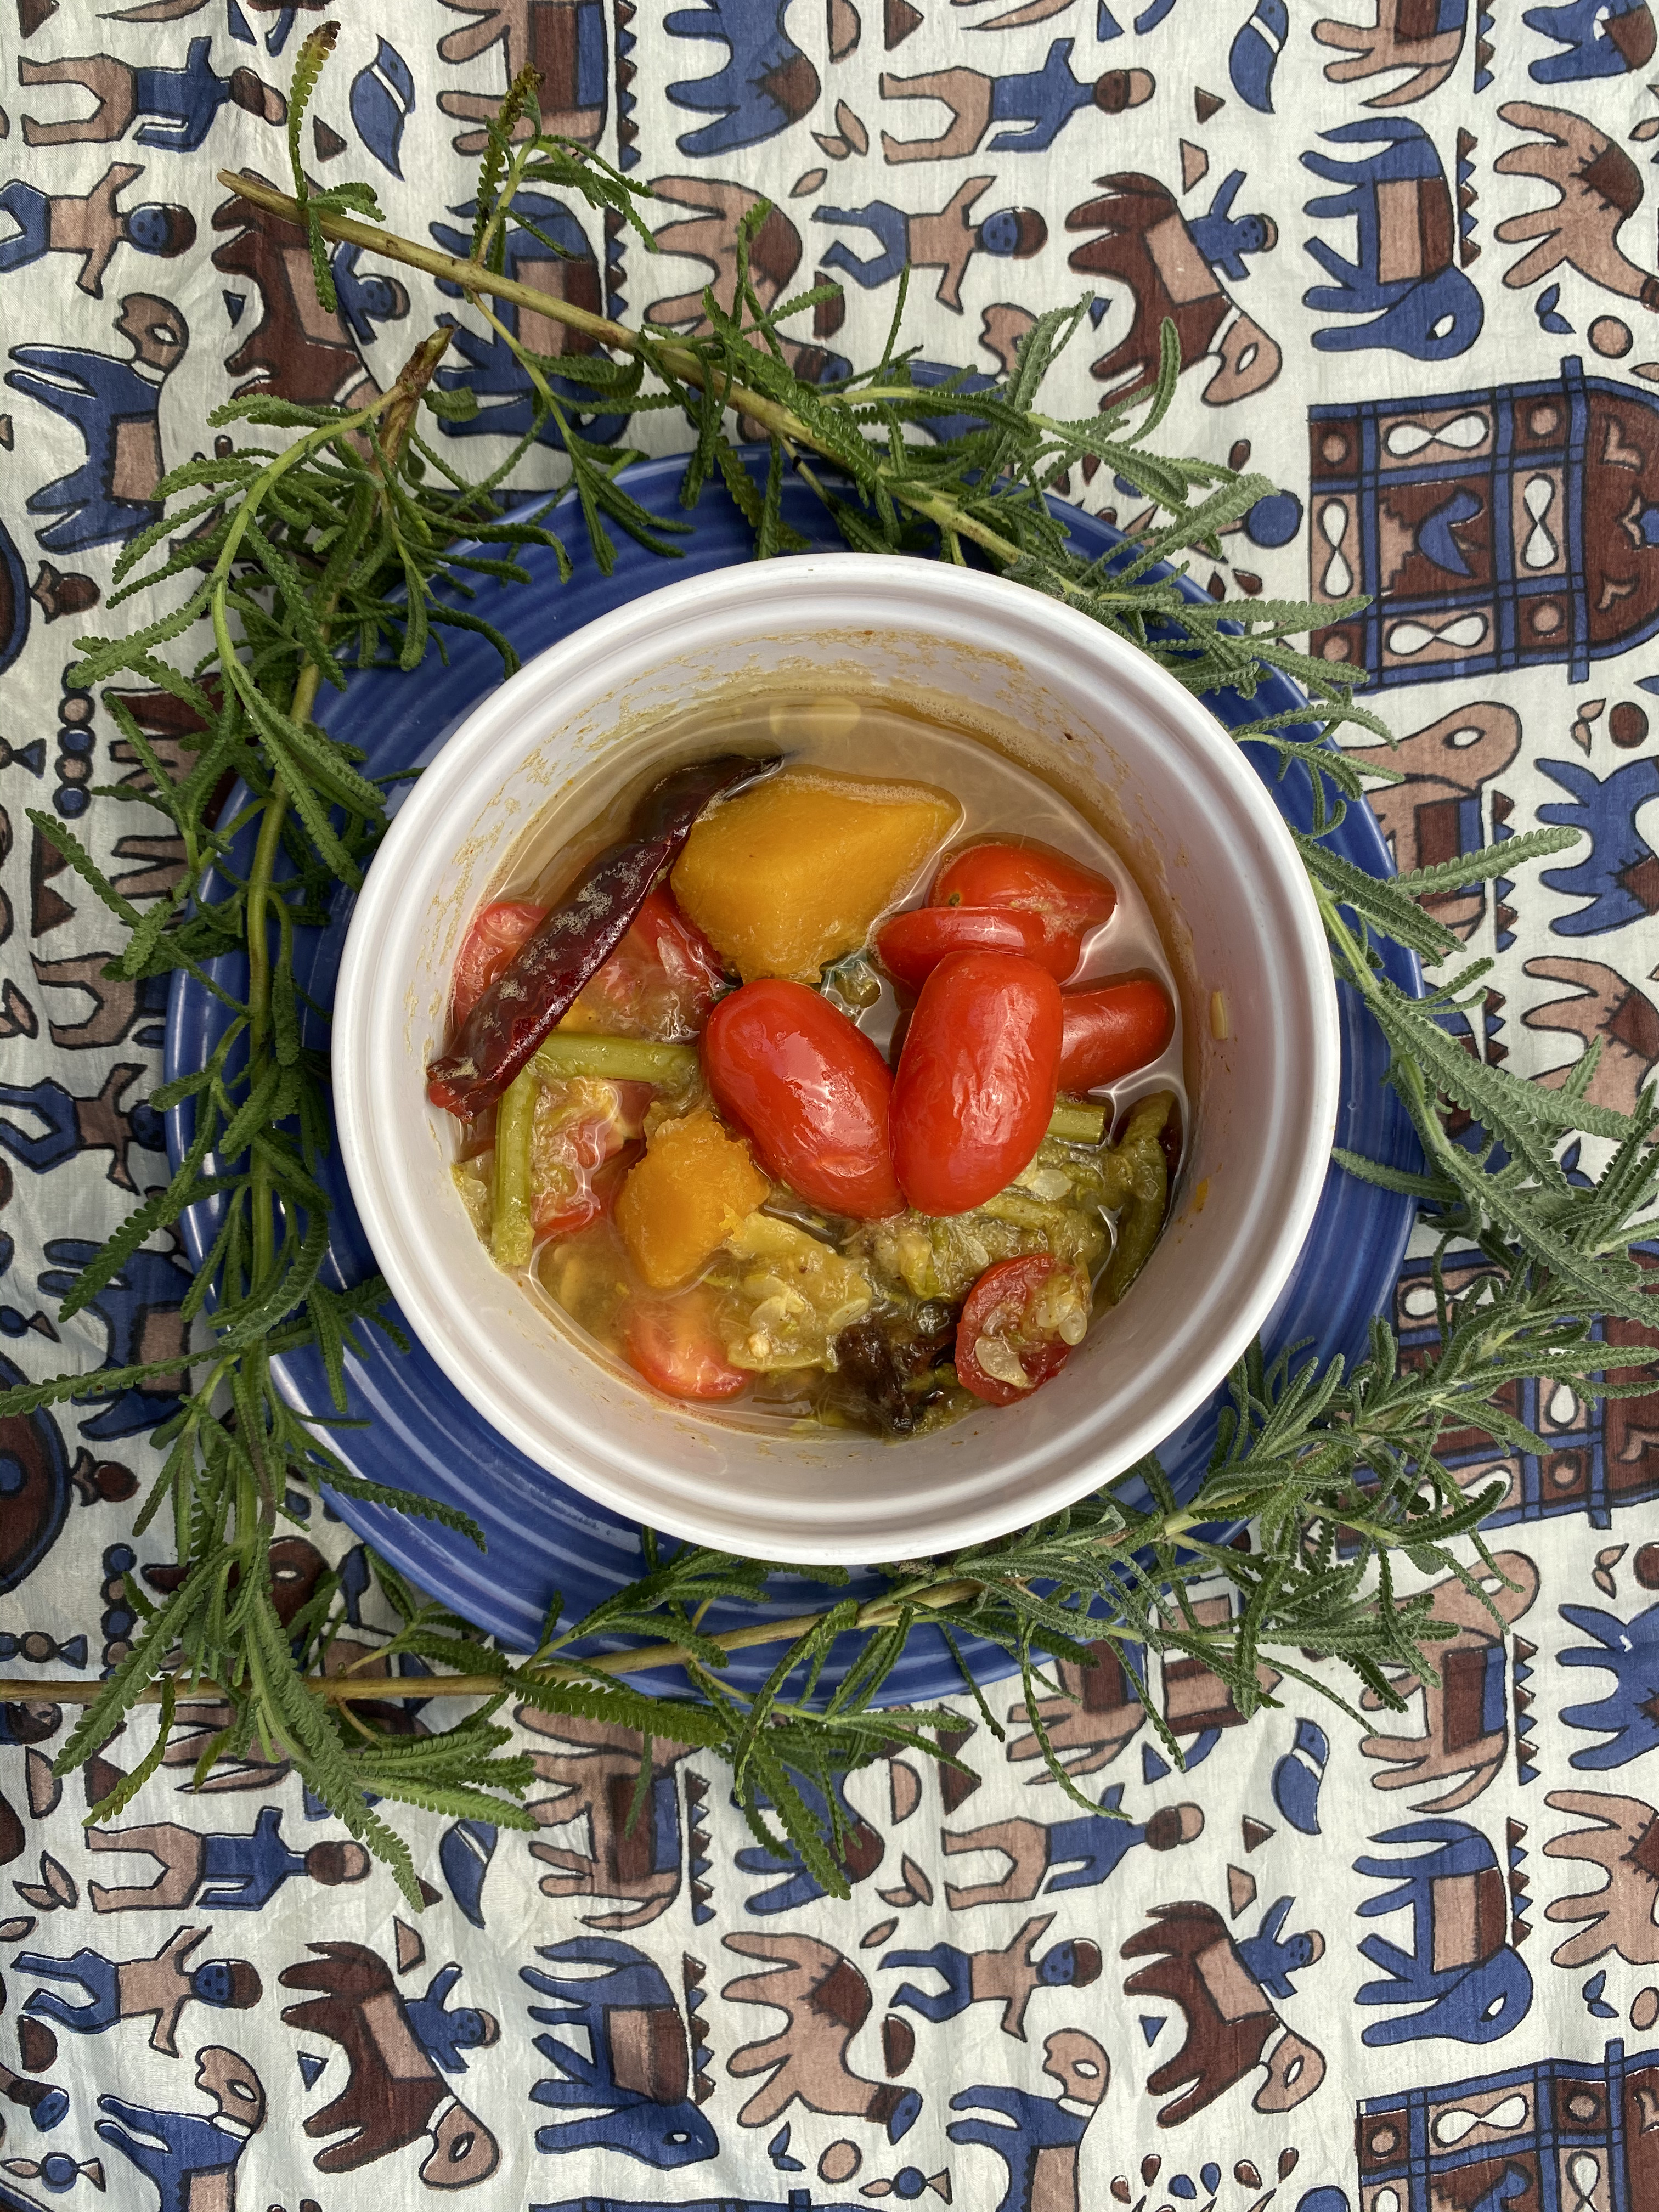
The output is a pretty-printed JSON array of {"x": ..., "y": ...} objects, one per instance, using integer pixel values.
[
  {"x": 686, "y": 1196},
  {"x": 788, "y": 875}
]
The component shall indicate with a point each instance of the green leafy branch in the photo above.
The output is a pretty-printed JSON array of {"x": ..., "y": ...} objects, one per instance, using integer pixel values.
[
  {"x": 355, "y": 543},
  {"x": 314, "y": 202}
]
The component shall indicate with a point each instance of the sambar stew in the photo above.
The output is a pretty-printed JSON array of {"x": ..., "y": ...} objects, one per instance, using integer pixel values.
[{"x": 816, "y": 1093}]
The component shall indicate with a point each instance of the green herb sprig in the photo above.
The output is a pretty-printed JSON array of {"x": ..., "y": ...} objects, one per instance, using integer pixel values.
[{"x": 353, "y": 544}]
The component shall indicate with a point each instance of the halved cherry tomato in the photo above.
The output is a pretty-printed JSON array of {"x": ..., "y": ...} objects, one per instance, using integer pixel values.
[
  {"x": 660, "y": 982},
  {"x": 580, "y": 1126},
  {"x": 1112, "y": 1032},
  {"x": 498, "y": 933},
  {"x": 976, "y": 1079},
  {"x": 1030, "y": 879},
  {"x": 674, "y": 1344},
  {"x": 809, "y": 1092},
  {"x": 1014, "y": 1317},
  {"x": 912, "y": 945}
]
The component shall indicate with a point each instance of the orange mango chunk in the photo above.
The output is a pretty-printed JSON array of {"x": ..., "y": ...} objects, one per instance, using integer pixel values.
[
  {"x": 685, "y": 1197},
  {"x": 788, "y": 875}
]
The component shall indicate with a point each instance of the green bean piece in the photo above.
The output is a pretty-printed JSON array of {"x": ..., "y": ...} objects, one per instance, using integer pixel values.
[
  {"x": 1139, "y": 1224},
  {"x": 512, "y": 1226},
  {"x": 1078, "y": 1122},
  {"x": 1039, "y": 1215},
  {"x": 616, "y": 1060}
]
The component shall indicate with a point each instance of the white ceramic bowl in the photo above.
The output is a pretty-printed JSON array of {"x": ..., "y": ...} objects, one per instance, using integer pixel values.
[{"x": 1213, "y": 857}]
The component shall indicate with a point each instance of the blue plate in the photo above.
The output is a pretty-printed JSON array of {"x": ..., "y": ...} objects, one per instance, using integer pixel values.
[{"x": 542, "y": 1538}]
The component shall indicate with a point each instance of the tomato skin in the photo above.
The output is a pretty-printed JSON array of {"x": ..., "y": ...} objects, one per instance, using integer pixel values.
[
  {"x": 581, "y": 1128},
  {"x": 976, "y": 1079},
  {"x": 912, "y": 945},
  {"x": 660, "y": 982},
  {"x": 498, "y": 934},
  {"x": 674, "y": 1345},
  {"x": 997, "y": 1306},
  {"x": 809, "y": 1092},
  {"x": 1030, "y": 879},
  {"x": 1112, "y": 1032}
]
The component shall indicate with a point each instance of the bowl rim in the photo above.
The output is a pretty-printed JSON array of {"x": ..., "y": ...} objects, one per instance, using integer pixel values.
[{"x": 646, "y": 621}]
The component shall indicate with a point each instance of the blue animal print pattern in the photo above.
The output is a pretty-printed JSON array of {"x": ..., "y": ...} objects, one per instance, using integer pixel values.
[{"x": 1381, "y": 1961}]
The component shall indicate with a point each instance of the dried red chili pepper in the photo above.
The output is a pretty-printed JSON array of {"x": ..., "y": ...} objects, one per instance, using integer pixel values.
[{"x": 528, "y": 1000}]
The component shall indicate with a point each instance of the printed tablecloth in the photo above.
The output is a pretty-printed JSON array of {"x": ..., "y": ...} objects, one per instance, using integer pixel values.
[{"x": 1410, "y": 252}]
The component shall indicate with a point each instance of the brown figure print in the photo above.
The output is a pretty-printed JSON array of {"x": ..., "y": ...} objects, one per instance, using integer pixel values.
[
  {"x": 1232, "y": 2024},
  {"x": 595, "y": 1769},
  {"x": 233, "y": 1873},
  {"x": 296, "y": 348},
  {"x": 556, "y": 38},
  {"x": 1466, "y": 1715},
  {"x": 1076, "y": 1853},
  {"x": 175, "y": 107},
  {"x": 1007, "y": 1978},
  {"x": 1605, "y": 1006},
  {"x": 709, "y": 234},
  {"x": 946, "y": 239},
  {"x": 1622, "y": 1915},
  {"x": 395, "y": 2095},
  {"x": 90, "y": 226},
  {"x": 1444, "y": 764},
  {"x": 1044, "y": 100},
  {"x": 77, "y": 1123},
  {"x": 1144, "y": 244},
  {"x": 1598, "y": 189},
  {"x": 1405, "y": 35},
  {"x": 826, "y": 2001},
  {"x": 157, "y": 1988},
  {"x": 1097, "y": 1712}
]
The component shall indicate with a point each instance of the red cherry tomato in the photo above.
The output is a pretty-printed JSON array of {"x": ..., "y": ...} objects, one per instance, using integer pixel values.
[
  {"x": 582, "y": 1127},
  {"x": 498, "y": 933},
  {"x": 660, "y": 982},
  {"x": 1016, "y": 1306},
  {"x": 1112, "y": 1032},
  {"x": 976, "y": 1084},
  {"x": 809, "y": 1092},
  {"x": 912, "y": 945},
  {"x": 674, "y": 1345},
  {"x": 1030, "y": 879}
]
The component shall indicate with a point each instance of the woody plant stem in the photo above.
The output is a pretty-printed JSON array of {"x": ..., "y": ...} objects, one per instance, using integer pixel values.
[
  {"x": 674, "y": 361},
  {"x": 349, "y": 1688},
  {"x": 649, "y": 1658},
  {"x": 344, "y": 1689}
]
